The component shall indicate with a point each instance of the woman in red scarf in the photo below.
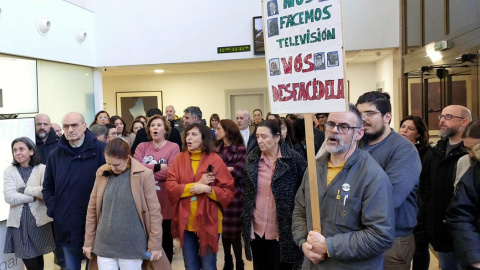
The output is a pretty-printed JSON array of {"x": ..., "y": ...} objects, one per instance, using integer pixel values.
[{"x": 199, "y": 186}]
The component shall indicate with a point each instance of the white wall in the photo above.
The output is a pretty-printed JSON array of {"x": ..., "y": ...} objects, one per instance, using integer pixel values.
[
  {"x": 19, "y": 35},
  {"x": 63, "y": 88},
  {"x": 371, "y": 24},
  {"x": 362, "y": 78},
  {"x": 206, "y": 90},
  {"x": 151, "y": 32}
]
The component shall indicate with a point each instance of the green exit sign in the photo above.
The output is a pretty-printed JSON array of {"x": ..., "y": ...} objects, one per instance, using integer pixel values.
[{"x": 234, "y": 49}]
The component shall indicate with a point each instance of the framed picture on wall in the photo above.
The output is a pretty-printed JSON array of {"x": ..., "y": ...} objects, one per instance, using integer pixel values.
[{"x": 133, "y": 104}]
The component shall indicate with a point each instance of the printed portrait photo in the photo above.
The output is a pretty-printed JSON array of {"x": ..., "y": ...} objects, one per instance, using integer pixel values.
[
  {"x": 272, "y": 27},
  {"x": 274, "y": 65},
  {"x": 332, "y": 59},
  {"x": 319, "y": 61}
]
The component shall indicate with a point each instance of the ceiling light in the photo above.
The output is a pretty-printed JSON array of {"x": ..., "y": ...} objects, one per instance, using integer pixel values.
[
  {"x": 435, "y": 56},
  {"x": 159, "y": 71}
]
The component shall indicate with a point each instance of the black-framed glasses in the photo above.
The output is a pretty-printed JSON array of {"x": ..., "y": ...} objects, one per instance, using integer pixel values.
[
  {"x": 449, "y": 117},
  {"x": 342, "y": 128}
]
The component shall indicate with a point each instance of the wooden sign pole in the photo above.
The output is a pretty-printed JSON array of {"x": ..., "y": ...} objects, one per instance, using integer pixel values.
[{"x": 312, "y": 173}]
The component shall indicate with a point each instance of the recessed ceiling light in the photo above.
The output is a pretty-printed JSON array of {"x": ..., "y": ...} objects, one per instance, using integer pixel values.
[
  {"x": 86, "y": 74},
  {"x": 159, "y": 71}
]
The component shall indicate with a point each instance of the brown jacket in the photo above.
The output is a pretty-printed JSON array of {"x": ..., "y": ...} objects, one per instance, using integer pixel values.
[{"x": 146, "y": 202}]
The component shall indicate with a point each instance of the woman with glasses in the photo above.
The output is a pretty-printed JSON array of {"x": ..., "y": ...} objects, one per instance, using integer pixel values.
[{"x": 273, "y": 173}]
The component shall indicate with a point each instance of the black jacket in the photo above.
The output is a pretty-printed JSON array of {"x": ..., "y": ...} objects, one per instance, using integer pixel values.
[
  {"x": 463, "y": 217},
  {"x": 436, "y": 190},
  {"x": 287, "y": 177},
  {"x": 45, "y": 147}
]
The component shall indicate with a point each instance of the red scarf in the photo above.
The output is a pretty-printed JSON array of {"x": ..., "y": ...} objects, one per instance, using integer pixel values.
[{"x": 206, "y": 219}]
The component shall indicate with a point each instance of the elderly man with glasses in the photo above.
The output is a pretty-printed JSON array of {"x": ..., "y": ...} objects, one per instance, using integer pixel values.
[
  {"x": 69, "y": 179},
  {"x": 356, "y": 203},
  {"x": 400, "y": 160},
  {"x": 437, "y": 181}
]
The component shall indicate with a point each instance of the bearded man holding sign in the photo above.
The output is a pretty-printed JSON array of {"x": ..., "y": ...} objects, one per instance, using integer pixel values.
[{"x": 355, "y": 203}]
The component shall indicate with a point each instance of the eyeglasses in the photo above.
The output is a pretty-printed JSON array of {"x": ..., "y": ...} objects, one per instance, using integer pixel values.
[
  {"x": 449, "y": 117},
  {"x": 369, "y": 114},
  {"x": 342, "y": 128},
  {"x": 74, "y": 126}
]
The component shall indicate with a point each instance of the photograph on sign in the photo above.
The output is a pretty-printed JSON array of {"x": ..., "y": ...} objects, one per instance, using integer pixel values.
[{"x": 304, "y": 55}]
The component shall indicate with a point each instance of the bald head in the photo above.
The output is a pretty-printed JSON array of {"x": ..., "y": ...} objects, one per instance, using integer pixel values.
[
  {"x": 74, "y": 127},
  {"x": 170, "y": 112},
  {"x": 42, "y": 126},
  {"x": 243, "y": 119},
  {"x": 453, "y": 128}
]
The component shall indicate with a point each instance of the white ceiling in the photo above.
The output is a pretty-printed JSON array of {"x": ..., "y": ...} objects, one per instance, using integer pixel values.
[{"x": 353, "y": 57}]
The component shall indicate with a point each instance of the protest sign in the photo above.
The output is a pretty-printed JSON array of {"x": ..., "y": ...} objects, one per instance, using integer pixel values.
[
  {"x": 305, "y": 67},
  {"x": 304, "y": 55}
]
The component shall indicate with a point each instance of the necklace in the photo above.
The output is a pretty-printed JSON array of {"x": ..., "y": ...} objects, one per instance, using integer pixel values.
[{"x": 159, "y": 145}]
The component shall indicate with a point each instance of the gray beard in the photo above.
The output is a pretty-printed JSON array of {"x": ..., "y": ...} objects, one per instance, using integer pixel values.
[
  {"x": 447, "y": 133},
  {"x": 341, "y": 147},
  {"x": 42, "y": 135}
]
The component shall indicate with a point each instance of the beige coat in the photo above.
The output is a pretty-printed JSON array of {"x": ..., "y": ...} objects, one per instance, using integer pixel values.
[{"x": 146, "y": 203}]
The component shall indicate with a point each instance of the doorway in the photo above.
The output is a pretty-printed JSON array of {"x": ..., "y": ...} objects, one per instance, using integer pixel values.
[{"x": 249, "y": 99}]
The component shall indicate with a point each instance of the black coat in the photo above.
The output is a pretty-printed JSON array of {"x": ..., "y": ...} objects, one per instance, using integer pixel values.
[
  {"x": 436, "y": 190},
  {"x": 287, "y": 177},
  {"x": 45, "y": 147},
  {"x": 463, "y": 217}
]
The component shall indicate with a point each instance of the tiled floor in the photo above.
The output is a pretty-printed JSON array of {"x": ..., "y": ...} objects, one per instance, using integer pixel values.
[{"x": 177, "y": 263}]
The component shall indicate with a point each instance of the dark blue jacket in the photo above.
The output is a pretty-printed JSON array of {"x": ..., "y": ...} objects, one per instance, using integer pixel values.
[
  {"x": 69, "y": 179},
  {"x": 463, "y": 217},
  {"x": 45, "y": 147}
]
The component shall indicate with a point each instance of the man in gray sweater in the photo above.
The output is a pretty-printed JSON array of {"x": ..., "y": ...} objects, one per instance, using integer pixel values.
[
  {"x": 355, "y": 203},
  {"x": 400, "y": 160}
]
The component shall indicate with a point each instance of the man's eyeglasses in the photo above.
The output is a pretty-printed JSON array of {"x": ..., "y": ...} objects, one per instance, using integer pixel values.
[
  {"x": 342, "y": 128},
  {"x": 74, "y": 126},
  {"x": 449, "y": 117},
  {"x": 369, "y": 114}
]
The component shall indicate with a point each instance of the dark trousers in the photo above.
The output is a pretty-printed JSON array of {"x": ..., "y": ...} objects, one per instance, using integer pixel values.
[
  {"x": 266, "y": 255},
  {"x": 236, "y": 243},
  {"x": 34, "y": 263},
  {"x": 167, "y": 240},
  {"x": 421, "y": 257}
]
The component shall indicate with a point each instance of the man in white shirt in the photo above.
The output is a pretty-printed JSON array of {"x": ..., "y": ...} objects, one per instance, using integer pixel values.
[{"x": 248, "y": 132}]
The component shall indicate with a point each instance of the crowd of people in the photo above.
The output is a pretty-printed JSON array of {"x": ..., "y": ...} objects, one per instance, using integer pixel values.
[{"x": 119, "y": 195}]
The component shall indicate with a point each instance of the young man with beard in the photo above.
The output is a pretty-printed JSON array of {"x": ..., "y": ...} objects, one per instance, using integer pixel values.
[
  {"x": 355, "y": 203},
  {"x": 436, "y": 183},
  {"x": 400, "y": 160}
]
